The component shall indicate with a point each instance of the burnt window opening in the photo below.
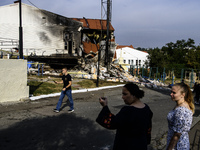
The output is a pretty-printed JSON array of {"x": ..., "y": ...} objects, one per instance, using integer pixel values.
[
  {"x": 68, "y": 42},
  {"x": 68, "y": 36},
  {"x": 66, "y": 47},
  {"x": 70, "y": 47},
  {"x": 44, "y": 20}
]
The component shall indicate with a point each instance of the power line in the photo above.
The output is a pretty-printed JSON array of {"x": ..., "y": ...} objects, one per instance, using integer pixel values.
[
  {"x": 37, "y": 7},
  {"x": 33, "y": 4}
]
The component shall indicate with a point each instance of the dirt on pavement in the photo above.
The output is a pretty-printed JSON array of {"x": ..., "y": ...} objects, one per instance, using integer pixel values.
[{"x": 32, "y": 125}]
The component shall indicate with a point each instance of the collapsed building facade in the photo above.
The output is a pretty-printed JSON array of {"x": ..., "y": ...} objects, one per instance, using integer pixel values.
[
  {"x": 51, "y": 38},
  {"x": 60, "y": 41},
  {"x": 47, "y": 37},
  {"x": 94, "y": 36}
]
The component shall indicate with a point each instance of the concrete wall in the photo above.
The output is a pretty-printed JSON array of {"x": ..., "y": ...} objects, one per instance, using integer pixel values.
[{"x": 13, "y": 80}]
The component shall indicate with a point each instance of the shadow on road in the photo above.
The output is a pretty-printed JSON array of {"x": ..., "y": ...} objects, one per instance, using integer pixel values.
[
  {"x": 60, "y": 132},
  {"x": 65, "y": 105}
]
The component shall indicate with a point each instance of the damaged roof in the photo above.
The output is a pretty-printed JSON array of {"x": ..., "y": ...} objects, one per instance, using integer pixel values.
[
  {"x": 94, "y": 23},
  {"x": 90, "y": 47}
]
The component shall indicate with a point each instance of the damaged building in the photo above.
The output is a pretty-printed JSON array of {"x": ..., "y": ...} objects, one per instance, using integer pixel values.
[
  {"x": 44, "y": 33},
  {"x": 52, "y": 38},
  {"x": 94, "y": 36}
]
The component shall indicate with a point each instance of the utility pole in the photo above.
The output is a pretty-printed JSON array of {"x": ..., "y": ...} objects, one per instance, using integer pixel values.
[
  {"x": 101, "y": 46},
  {"x": 107, "y": 61},
  {"x": 107, "y": 14},
  {"x": 99, "y": 58},
  {"x": 20, "y": 31}
]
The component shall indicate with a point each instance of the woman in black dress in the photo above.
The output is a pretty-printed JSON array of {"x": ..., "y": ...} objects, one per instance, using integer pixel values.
[{"x": 133, "y": 122}]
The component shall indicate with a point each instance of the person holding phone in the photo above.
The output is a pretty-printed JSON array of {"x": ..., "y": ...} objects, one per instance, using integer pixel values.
[{"x": 133, "y": 122}]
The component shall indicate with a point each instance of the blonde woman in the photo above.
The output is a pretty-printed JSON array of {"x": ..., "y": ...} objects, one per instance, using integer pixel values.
[{"x": 180, "y": 118}]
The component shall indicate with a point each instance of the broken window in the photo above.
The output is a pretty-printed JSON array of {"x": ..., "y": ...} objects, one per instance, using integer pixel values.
[
  {"x": 68, "y": 42},
  {"x": 66, "y": 45}
]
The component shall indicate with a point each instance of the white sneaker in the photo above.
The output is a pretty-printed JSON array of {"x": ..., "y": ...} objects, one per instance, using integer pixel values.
[
  {"x": 70, "y": 111},
  {"x": 55, "y": 110}
]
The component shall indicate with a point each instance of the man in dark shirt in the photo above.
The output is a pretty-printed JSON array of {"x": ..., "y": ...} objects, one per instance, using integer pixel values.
[{"x": 67, "y": 82}]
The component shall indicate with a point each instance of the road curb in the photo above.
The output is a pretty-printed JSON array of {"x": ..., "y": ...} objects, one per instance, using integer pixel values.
[{"x": 74, "y": 91}]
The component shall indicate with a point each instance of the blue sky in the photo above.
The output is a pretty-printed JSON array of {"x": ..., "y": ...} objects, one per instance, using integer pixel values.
[{"x": 141, "y": 23}]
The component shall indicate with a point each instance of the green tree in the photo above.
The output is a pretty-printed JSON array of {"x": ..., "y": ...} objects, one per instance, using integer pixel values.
[{"x": 182, "y": 54}]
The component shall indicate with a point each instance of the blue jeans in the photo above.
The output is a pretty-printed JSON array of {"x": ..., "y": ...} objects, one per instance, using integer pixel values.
[{"x": 69, "y": 95}]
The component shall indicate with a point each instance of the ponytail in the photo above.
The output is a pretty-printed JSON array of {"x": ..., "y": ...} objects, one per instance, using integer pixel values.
[{"x": 188, "y": 95}]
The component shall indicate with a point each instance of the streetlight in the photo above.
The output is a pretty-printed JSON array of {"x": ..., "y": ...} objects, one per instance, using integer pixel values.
[{"x": 20, "y": 30}]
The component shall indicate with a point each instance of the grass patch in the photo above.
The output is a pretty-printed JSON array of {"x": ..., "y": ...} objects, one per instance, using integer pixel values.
[
  {"x": 39, "y": 88},
  {"x": 92, "y": 83}
]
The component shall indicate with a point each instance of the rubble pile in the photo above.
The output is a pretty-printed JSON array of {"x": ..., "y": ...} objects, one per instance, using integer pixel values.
[
  {"x": 155, "y": 84},
  {"x": 114, "y": 74},
  {"x": 88, "y": 69}
]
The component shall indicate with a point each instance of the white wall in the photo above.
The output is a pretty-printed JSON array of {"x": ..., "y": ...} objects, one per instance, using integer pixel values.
[
  {"x": 39, "y": 35},
  {"x": 131, "y": 55},
  {"x": 13, "y": 80}
]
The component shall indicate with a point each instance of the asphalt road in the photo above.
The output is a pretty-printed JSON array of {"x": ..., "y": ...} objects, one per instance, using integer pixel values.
[{"x": 32, "y": 125}]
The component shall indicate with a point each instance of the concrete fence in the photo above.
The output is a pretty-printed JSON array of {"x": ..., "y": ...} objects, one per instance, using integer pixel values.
[{"x": 13, "y": 80}]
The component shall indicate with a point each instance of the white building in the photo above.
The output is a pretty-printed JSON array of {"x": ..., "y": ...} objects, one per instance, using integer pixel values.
[
  {"x": 131, "y": 56},
  {"x": 44, "y": 33}
]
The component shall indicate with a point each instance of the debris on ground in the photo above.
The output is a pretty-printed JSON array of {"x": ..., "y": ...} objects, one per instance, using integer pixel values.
[{"x": 88, "y": 69}]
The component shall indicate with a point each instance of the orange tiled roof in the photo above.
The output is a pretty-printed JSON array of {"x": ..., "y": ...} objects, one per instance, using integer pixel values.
[
  {"x": 88, "y": 47},
  {"x": 122, "y": 46},
  {"x": 94, "y": 23}
]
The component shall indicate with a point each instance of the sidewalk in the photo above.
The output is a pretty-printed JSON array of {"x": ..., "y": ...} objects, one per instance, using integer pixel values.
[
  {"x": 37, "y": 121},
  {"x": 194, "y": 134}
]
